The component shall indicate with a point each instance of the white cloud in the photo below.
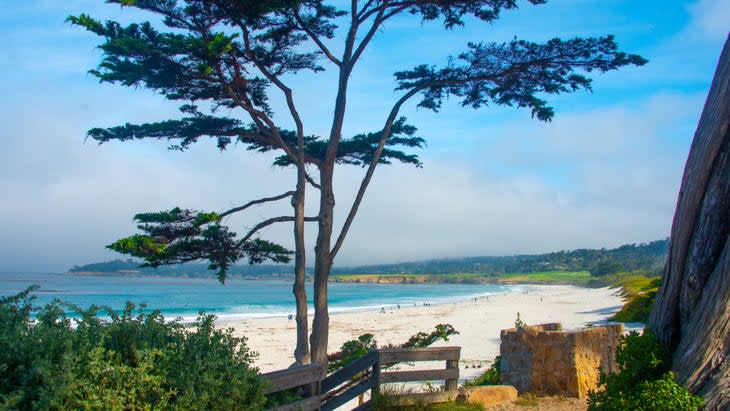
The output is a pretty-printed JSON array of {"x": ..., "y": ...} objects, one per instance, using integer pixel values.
[
  {"x": 618, "y": 173},
  {"x": 622, "y": 169},
  {"x": 493, "y": 182},
  {"x": 711, "y": 17},
  {"x": 65, "y": 200}
]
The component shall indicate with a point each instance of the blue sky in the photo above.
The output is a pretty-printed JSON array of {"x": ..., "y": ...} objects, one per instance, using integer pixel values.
[{"x": 605, "y": 172}]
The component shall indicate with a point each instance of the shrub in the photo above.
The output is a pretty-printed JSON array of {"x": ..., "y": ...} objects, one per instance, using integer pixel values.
[
  {"x": 519, "y": 323},
  {"x": 124, "y": 362},
  {"x": 491, "y": 376},
  {"x": 640, "y": 293},
  {"x": 644, "y": 381},
  {"x": 353, "y": 349},
  {"x": 636, "y": 309},
  {"x": 350, "y": 351}
]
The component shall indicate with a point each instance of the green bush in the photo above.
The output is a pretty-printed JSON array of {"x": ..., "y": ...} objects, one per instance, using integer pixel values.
[
  {"x": 125, "y": 362},
  {"x": 640, "y": 293},
  {"x": 636, "y": 309},
  {"x": 350, "y": 351},
  {"x": 353, "y": 349},
  {"x": 491, "y": 376},
  {"x": 644, "y": 381}
]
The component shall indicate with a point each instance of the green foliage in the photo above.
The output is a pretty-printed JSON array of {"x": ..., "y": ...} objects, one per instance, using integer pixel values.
[
  {"x": 106, "y": 266},
  {"x": 631, "y": 257},
  {"x": 507, "y": 73},
  {"x": 491, "y": 376},
  {"x": 350, "y": 351},
  {"x": 519, "y": 323},
  {"x": 630, "y": 281},
  {"x": 201, "y": 60},
  {"x": 644, "y": 381},
  {"x": 546, "y": 277},
  {"x": 359, "y": 150},
  {"x": 563, "y": 266},
  {"x": 286, "y": 397},
  {"x": 178, "y": 236},
  {"x": 189, "y": 270},
  {"x": 421, "y": 339},
  {"x": 639, "y": 288},
  {"x": 637, "y": 308},
  {"x": 228, "y": 54},
  {"x": 353, "y": 349},
  {"x": 124, "y": 362}
]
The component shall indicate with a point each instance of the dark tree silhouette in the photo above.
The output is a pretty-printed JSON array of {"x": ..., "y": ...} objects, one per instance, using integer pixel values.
[{"x": 231, "y": 54}]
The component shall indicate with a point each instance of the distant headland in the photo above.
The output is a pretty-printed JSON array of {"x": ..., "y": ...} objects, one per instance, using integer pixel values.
[{"x": 579, "y": 266}]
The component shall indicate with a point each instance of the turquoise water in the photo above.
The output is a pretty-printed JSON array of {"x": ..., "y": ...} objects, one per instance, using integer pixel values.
[{"x": 238, "y": 298}]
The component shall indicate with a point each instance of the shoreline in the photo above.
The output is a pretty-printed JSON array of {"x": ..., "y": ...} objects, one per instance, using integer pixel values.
[
  {"x": 229, "y": 318},
  {"x": 478, "y": 320}
]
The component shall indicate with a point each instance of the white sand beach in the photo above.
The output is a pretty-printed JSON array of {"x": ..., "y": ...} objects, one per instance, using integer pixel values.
[{"x": 478, "y": 322}]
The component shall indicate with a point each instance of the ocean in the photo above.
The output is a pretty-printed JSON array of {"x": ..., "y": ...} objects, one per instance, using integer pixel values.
[{"x": 184, "y": 298}]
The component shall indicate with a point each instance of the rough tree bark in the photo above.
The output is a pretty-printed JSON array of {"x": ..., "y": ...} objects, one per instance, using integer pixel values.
[
  {"x": 322, "y": 264},
  {"x": 301, "y": 352},
  {"x": 692, "y": 311},
  {"x": 323, "y": 258}
]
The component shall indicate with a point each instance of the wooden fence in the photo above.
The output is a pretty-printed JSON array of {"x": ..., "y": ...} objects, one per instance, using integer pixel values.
[{"x": 327, "y": 392}]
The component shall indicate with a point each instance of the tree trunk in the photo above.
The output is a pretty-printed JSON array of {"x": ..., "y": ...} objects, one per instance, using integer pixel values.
[
  {"x": 323, "y": 247},
  {"x": 301, "y": 352},
  {"x": 692, "y": 311},
  {"x": 322, "y": 266}
]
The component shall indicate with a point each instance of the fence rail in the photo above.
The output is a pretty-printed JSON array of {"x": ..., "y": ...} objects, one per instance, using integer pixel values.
[
  {"x": 327, "y": 392},
  {"x": 293, "y": 377}
]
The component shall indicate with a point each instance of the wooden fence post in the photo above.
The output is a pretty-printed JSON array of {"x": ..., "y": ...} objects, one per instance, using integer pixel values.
[
  {"x": 376, "y": 377},
  {"x": 452, "y": 384}
]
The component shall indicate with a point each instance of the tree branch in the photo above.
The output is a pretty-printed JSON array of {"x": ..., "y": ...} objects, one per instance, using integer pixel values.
[
  {"x": 350, "y": 39},
  {"x": 238, "y": 79},
  {"x": 268, "y": 222},
  {"x": 254, "y": 202},
  {"x": 284, "y": 89},
  {"x": 258, "y": 116},
  {"x": 253, "y": 137},
  {"x": 373, "y": 29},
  {"x": 379, "y": 19},
  {"x": 316, "y": 39},
  {"x": 338, "y": 118},
  {"x": 274, "y": 79},
  {"x": 363, "y": 10},
  {"x": 371, "y": 169},
  {"x": 364, "y": 15},
  {"x": 311, "y": 181}
]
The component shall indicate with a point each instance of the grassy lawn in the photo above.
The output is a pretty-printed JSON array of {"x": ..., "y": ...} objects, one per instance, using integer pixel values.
[{"x": 547, "y": 277}]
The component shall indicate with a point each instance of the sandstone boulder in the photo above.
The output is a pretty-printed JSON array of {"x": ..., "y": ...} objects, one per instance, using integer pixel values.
[{"x": 546, "y": 360}]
